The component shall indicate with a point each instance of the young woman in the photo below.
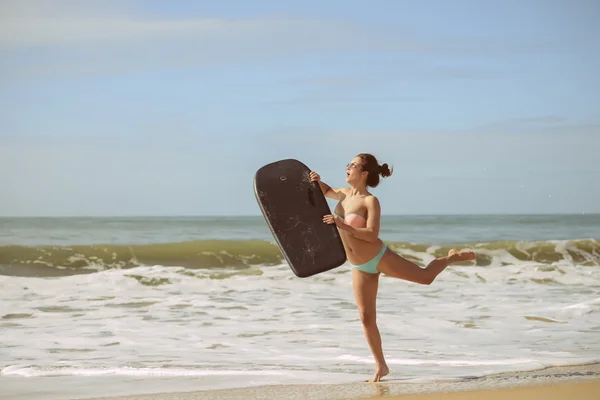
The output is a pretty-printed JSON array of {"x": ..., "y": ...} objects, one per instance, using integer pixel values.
[{"x": 357, "y": 216}]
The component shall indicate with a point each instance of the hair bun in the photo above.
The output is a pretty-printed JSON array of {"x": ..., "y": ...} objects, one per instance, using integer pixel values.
[
  {"x": 373, "y": 169},
  {"x": 384, "y": 170}
]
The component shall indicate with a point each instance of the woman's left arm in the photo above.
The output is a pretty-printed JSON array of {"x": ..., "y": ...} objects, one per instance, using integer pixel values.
[{"x": 371, "y": 232}]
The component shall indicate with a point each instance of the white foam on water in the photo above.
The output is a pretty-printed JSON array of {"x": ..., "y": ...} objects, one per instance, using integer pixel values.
[
  {"x": 176, "y": 322},
  {"x": 396, "y": 361},
  {"x": 29, "y": 371}
]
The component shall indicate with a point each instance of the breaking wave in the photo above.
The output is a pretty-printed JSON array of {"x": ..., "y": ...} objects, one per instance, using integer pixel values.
[{"x": 242, "y": 254}]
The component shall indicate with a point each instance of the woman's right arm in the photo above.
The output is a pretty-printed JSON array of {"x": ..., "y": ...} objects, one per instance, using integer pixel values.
[{"x": 328, "y": 191}]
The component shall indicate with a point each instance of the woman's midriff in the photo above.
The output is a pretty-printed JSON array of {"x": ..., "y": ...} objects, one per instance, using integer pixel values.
[{"x": 359, "y": 251}]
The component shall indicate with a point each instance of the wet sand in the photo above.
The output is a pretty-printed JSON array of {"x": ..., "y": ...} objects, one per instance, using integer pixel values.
[{"x": 574, "y": 382}]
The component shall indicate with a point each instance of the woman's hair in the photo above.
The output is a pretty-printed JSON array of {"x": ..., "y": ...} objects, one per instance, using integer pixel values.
[{"x": 371, "y": 165}]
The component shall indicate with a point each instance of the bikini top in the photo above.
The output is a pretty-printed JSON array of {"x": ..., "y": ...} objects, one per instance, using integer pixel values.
[{"x": 354, "y": 219}]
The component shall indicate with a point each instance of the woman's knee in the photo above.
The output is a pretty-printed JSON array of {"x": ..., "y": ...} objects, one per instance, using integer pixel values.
[
  {"x": 426, "y": 278},
  {"x": 367, "y": 318}
]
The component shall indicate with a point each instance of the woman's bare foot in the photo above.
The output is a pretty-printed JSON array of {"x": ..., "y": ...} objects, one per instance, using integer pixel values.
[
  {"x": 379, "y": 373},
  {"x": 456, "y": 257}
]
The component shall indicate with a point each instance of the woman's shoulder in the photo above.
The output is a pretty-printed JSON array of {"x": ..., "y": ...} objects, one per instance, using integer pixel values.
[{"x": 371, "y": 199}]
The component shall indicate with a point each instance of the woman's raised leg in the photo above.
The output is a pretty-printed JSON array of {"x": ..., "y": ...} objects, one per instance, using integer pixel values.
[{"x": 396, "y": 266}]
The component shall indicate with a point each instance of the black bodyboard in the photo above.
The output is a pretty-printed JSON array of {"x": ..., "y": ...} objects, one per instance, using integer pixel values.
[{"x": 293, "y": 208}]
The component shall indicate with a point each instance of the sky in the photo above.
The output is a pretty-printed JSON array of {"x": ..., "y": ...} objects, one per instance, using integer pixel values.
[{"x": 169, "y": 108}]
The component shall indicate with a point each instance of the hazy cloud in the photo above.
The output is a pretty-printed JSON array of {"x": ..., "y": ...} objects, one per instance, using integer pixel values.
[
  {"x": 545, "y": 124},
  {"x": 49, "y": 38},
  {"x": 318, "y": 99}
]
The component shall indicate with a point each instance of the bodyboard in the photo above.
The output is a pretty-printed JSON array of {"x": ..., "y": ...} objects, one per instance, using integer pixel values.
[{"x": 293, "y": 208}]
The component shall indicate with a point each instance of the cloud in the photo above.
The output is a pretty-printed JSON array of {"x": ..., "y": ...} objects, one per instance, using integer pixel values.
[
  {"x": 377, "y": 86},
  {"x": 67, "y": 29},
  {"x": 395, "y": 81},
  {"x": 66, "y": 22},
  {"x": 463, "y": 73},
  {"x": 64, "y": 38},
  {"x": 64, "y": 43},
  {"x": 36, "y": 23},
  {"x": 544, "y": 124},
  {"x": 317, "y": 99}
]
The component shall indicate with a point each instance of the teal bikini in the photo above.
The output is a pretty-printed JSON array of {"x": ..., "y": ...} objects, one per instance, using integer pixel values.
[{"x": 371, "y": 265}]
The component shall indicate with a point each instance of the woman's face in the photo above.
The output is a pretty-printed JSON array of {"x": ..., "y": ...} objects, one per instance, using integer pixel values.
[{"x": 354, "y": 172}]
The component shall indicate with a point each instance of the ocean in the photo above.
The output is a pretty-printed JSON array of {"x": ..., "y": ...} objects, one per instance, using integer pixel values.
[{"x": 128, "y": 305}]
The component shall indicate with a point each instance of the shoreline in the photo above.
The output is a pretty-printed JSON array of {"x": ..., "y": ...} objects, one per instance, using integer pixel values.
[{"x": 580, "y": 381}]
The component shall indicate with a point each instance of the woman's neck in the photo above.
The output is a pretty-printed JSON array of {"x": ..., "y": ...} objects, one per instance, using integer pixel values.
[{"x": 359, "y": 189}]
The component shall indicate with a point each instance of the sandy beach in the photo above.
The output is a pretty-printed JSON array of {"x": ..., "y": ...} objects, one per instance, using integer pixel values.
[
  {"x": 573, "y": 382},
  {"x": 562, "y": 391}
]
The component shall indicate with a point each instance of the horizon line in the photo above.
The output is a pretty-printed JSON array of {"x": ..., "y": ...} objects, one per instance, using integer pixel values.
[{"x": 260, "y": 215}]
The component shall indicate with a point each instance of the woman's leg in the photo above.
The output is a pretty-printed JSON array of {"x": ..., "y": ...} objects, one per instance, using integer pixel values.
[
  {"x": 365, "y": 292},
  {"x": 396, "y": 266}
]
